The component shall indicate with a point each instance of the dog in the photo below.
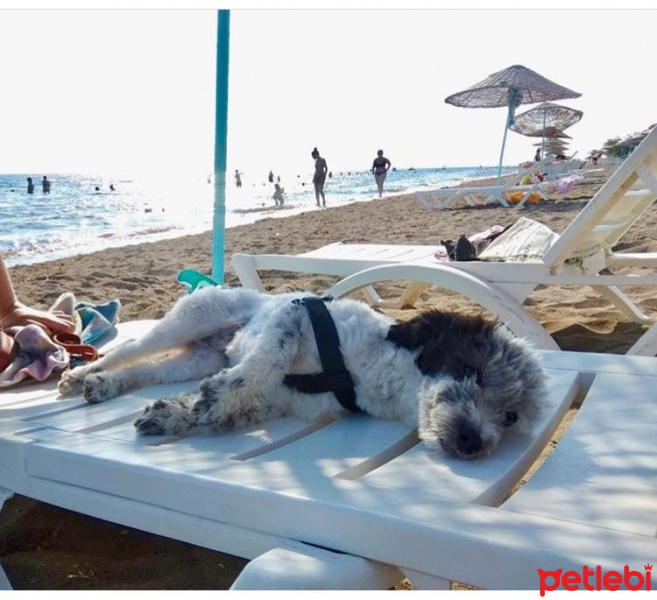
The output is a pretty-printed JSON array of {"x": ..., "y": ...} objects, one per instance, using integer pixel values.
[{"x": 462, "y": 381}]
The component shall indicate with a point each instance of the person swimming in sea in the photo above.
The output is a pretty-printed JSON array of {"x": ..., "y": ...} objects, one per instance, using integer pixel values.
[
  {"x": 30, "y": 186},
  {"x": 319, "y": 178}
]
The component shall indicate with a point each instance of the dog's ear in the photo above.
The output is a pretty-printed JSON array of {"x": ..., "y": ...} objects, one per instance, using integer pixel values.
[{"x": 410, "y": 334}]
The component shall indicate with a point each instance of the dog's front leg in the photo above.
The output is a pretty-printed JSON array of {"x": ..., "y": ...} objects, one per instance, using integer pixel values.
[{"x": 242, "y": 387}]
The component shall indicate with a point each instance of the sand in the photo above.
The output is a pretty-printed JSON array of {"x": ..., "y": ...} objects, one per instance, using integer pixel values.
[{"x": 43, "y": 547}]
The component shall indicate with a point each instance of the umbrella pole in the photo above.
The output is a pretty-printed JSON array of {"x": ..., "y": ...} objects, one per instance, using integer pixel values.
[
  {"x": 220, "y": 145},
  {"x": 499, "y": 169},
  {"x": 543, "y": 140}
]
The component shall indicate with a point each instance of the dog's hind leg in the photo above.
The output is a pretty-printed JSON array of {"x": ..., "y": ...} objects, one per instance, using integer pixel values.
[
  {"x": 193, "y": 362},
  {"x": 193, "y": 318}
]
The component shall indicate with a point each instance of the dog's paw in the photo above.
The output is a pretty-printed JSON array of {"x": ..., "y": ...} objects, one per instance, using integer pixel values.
[
  {"x": 171, "y": 416},
  {"x": 99, "y": 387},
  {"x": 71, "y": 382}
]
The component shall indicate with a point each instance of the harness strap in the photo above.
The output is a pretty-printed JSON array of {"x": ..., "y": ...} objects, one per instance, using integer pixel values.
[{"x": 335, "y": 377}]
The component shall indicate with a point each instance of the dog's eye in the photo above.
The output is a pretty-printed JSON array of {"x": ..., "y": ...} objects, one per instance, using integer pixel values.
[{"x": 509, "y": 419}]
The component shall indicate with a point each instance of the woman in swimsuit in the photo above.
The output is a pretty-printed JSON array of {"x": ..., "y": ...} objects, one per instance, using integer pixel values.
[
  {"x": 319, "y": 178},
  {"x": 380, "y": 168}
]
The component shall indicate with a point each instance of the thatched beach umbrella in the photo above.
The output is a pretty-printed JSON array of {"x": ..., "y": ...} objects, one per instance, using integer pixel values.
[
  {"x": 545, "y": 119},
  {"x": 511, "y": 87},
  {"x": 551, "y": 133}
]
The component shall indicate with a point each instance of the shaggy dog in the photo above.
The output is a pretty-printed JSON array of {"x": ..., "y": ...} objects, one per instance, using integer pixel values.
[{"x": 461, "y": 381}]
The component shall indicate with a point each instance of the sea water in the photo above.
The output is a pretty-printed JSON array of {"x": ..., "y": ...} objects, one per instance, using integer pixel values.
[{"x": 82, "y": 214}]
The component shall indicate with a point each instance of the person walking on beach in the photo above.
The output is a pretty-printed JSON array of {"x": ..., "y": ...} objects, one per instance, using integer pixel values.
[
  {"x": 45, "y": 185},
  {"x": 380, "y": 168},
  {"x": 537, "y": 156},
  {"x": 30, "y": 186},
  {"x": 238, "y": 179},
  {"x": 319, "y": 178},
  {"x": 271, "y": 177}
]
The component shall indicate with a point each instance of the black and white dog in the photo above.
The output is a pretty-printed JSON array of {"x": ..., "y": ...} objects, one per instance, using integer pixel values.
[{"x": 461, "y": 380}]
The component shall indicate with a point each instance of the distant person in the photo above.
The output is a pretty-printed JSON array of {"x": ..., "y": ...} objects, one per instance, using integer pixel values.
[
  {"x": 319, "y": 178},
  {"x": 537, "y": 156},
  {"x": 97, "y": 189},
  {"x": 30, "y": 186},
  {"x": 111, "y": 186},
  {"x": 271, "y": 177},
  {"x": 330, "y": 174},
  {"x": 45, "y": 185},
  {"x": 238, "y": 178},
  {"x": 278, "y": 178},
  {"x": 278, "y": 195},
  {"x": 380, "y": 168}
]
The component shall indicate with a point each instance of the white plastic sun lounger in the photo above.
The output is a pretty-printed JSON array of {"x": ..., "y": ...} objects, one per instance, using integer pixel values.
[
  {"x": 353, "y": 502},
  {"x": 445, "y": 197},
  {"x": 581, "y": 256}
]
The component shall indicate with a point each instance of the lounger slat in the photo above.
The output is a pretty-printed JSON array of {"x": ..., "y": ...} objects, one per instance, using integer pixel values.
[
  {"x": 488, "y": 481},
  {"x": 338, "y": 446},
  {"x": 604, "y": 471}
]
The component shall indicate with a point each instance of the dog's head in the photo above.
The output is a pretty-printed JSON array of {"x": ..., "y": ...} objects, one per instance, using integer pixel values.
[{"x": 481, "y": 381}]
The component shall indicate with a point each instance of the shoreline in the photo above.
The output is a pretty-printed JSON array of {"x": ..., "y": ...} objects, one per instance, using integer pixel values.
[
  {"x": 43, "y": 547},
  {"x": 250, "y": 215}
]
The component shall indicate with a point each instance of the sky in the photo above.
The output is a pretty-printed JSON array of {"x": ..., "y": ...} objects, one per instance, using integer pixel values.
[{"x": 131, "y": 91}]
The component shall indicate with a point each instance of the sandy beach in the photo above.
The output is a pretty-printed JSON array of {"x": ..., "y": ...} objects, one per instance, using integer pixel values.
[{"x": 43, "y": 547}]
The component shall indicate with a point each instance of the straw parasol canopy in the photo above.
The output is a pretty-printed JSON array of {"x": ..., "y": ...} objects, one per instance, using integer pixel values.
[
  {"x": 546, "y": 116},
  {"x": 529, "y": 87},
  {"x": 511, "y": 87},
  {"x": 551, "y": 133}
]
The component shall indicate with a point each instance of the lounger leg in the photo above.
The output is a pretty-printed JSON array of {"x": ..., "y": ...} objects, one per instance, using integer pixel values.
[
  {"x": 646, "y": 345},
  {"x": 373, "y": 299},
  {"x": 299, "y": 566},
  {"x": 412, "y": 293},
  {"x": 4, "y": 580},
  {"x": 245, "y": 267},
  {"x": 622, "y": 303}
]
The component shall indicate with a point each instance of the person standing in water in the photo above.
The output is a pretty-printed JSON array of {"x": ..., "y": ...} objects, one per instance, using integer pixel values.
[
  {"x": 380, "y": 168},
  {"x": 30, "y": 186},
  {"x": 319, "y": 178},
  {"x": 45, "y": 185}
]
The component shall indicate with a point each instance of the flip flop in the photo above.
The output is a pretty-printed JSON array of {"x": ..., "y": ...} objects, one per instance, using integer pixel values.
[{"x": 194, "y": 280}]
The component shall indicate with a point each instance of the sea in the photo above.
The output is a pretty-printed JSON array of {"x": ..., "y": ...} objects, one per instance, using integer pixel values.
[{"x": 83, "y": 214}]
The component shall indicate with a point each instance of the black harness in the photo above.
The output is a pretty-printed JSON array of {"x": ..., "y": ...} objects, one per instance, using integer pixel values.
[{"x": 335, "y": 377}]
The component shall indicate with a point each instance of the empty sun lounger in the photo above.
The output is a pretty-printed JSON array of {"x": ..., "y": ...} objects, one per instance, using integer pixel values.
[{"x": 352, "y": 502}]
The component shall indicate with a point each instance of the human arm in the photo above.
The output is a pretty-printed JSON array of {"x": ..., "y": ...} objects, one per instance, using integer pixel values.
[{"x": 13, "y": 312}]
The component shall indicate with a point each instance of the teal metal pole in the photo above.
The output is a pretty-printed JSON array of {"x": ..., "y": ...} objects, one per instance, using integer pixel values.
[
  {"x": 499, "y": 169},
  {"x": 220, "y": 145}
]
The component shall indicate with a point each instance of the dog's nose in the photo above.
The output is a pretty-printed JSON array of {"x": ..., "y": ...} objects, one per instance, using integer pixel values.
[{"x": 468, "y": 441}]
